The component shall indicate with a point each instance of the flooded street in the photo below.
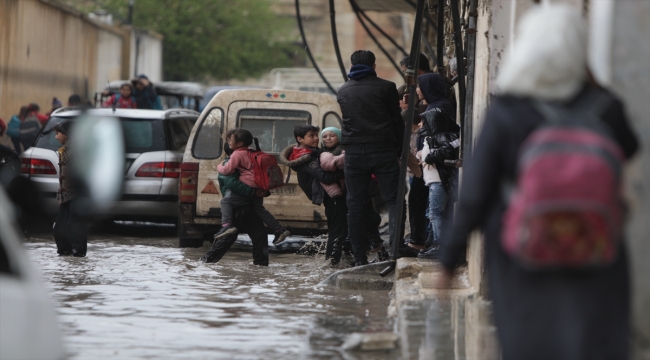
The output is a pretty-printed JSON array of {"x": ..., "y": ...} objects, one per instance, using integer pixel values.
[{"x": 140, "y": 297}]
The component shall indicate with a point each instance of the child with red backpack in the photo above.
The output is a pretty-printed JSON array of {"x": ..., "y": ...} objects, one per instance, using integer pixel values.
[
  {"x": 242, "y": 161},
  {"x": 123, "y": 100}
]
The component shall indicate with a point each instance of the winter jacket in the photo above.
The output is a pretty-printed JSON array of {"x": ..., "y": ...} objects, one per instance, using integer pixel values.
[
  {"x": 371, "y": 112},
  {"x": 146, "y": 98},
  {"x": 29, "y": 130},
  {"x": 13, "y": 128},
  {"x": 68, "y": 188},
  {"x": 120, "y": 102},
  {"x": 331, "y": 162},
  {"x": 231, "y": 183},
  {"x": 442, "y": 138},
  {"x": 240, "y": 161},
  {"x": 310, "y": 173}
]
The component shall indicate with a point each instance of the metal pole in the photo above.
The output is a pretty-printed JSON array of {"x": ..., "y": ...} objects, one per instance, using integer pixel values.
[
  {"x": 471, "y": 70},
  {"x": 460, "y": 64},
  {"x": 335, "y": 39},
  {"x": 440, "y": 38},
  {"x": 411, "y": 75},
  {"x": 311, "y": 57}
]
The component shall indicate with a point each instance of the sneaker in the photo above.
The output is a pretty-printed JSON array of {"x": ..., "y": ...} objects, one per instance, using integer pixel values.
[
  {"x": 225, "y": 231},
  {"x": 280, "y": 235},
  {"x": 430, "y": 253}
]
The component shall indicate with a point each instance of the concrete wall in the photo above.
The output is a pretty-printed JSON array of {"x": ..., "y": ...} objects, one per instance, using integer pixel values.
[
  {"x": 145, "y": 55},
  {"x": 48, "y": 50},
  {"x": 109, "y": 59},
  {"x": 621, "y": 60}
]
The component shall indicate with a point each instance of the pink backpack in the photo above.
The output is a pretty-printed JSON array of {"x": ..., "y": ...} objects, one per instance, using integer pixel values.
[
  {"x": 566, "y": 210},
  {"x": 268, "y": 174}
]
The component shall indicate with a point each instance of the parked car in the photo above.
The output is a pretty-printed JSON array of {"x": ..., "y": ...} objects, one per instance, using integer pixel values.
[
  {"x": 154, "y": 145},
  {"x": 270, "y": 115},
  {"x": 29, "y": 327}
]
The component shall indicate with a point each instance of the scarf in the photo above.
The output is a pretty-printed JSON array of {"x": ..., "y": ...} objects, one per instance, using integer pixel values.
[
  {"x": 299, "y": 152},
  {"x": 359, "y": 71}
]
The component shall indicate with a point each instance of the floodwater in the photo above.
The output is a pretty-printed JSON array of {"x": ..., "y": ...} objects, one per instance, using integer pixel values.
[{"x": 138, "y": 297}]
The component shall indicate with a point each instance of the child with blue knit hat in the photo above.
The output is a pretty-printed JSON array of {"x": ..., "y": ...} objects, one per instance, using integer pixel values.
[{"x": 331, "y": 160}]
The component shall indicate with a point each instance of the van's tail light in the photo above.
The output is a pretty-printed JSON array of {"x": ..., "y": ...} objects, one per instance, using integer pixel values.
[
  {"x": 159, "y": 169},
  {"x": 37, "y": 167},
  {"x": 187, "y": 186}
]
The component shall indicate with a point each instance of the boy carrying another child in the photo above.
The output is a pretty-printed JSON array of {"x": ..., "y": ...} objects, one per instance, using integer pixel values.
[{"x": 237, "y": 183}]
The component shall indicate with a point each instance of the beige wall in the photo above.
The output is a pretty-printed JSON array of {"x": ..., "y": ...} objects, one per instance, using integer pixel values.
[{"x": 46, "y": 51}]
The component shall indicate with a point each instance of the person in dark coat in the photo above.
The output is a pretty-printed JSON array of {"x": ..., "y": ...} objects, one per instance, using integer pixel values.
[
  {"x": 561, "y": 314},
  {"x": 304, "y": 159},
  {"x": 144, "y": 92},
  {"x": 372, "y": 131}
]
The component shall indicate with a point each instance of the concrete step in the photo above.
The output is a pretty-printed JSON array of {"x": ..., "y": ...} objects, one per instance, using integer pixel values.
[{"x": 361, "y": 278}]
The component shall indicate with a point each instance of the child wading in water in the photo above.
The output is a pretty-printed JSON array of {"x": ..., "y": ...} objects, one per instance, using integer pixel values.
[
  {"x": 239, "y": 142},
  {"x": 305, "y": 160},
  {"x": 70, "y": 231}
]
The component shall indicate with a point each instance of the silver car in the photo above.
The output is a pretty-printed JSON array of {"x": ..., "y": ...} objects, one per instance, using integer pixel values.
[{"x": 154, "y": 141}]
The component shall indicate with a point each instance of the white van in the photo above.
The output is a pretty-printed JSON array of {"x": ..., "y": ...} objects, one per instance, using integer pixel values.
[{"x": 270, "y": 115}]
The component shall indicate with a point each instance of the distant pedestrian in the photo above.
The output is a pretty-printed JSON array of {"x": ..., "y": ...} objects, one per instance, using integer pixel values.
[
  {"x": 561, "y": 312},
  {"x": 13, "y": 128},
  {"x": 70, "y": 231},
  {"x": 145, "y": 93},
  {"x": 123, "y": 100},
  {"x": 372, "y": 136},
  {"x": 74, "y": 100},
  {"x": 29, "y": 127},
  {"x": 35, "y": 110},
  {"x": 56, "y": 104}
]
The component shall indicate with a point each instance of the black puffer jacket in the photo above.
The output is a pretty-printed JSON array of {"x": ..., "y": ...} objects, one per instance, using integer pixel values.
[
  {"x": 371, "y": 112},
  {"x": 310, "y": 173},
  {"x": 442, "y": 137}
]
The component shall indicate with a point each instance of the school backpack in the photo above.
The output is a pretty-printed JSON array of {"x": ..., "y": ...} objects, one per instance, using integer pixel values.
[
  {"x": 156, "y": 104},
  {"x": 268, "y": 174},
  {"x": 566, "y": 210},
  {"x": 13, "y": 128}
]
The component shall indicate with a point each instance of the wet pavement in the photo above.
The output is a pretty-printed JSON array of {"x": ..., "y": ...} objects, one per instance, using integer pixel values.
[{"x": 138, "y": 296}]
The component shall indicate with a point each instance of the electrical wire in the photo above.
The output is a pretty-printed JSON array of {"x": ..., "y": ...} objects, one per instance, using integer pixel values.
[{"x": 335, "y": 39}]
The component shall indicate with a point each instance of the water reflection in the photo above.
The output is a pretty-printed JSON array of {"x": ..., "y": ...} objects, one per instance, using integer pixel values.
[{"x": 145, "y": 298}]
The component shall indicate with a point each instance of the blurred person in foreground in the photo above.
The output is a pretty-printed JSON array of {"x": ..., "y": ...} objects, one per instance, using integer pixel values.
[
  {"x": 70, "y": 231},
  {"x": 372, "y": 137},
  {"x": 554, "y": 312}
]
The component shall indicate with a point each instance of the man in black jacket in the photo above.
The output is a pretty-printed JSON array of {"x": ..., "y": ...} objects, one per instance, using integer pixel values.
[{"x": 372, "y": 136}]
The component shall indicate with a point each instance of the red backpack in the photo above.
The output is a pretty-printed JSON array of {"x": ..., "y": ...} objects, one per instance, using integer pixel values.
[
  {"x": 566, "y": 210},
  {"x": 268, "y": 174}
]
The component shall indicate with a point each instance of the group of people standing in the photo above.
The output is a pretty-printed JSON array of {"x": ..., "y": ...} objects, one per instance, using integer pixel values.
[
  {"x": 23, "y": 127},
  {"x": 139, "y": 93}
]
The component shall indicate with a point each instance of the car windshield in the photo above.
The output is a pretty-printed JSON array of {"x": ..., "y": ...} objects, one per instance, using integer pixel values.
[
  {"x": 140, "y": 135},
  {"x": 273, "y": 128}
]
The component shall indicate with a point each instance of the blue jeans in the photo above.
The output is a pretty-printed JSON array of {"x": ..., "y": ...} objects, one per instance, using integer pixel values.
[
  {"x": 361, "y": 162},
  {"x": 437, "y": 206}
]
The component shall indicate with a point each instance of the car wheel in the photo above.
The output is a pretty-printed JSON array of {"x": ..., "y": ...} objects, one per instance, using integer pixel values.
[{"x": 189, "y": 242}]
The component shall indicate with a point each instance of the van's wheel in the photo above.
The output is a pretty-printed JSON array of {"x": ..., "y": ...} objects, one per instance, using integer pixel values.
[{"x": 190, "y": 242}]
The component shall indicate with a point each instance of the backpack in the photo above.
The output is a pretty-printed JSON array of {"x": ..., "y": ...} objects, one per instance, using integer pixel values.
[
  {"x": 156, "y": 104},
  {"x": 566, "y": 210},
  {"x": 13, "y": 128},
  {"x": 29, "y": 129},
  {"x": 268, "y": 174}
]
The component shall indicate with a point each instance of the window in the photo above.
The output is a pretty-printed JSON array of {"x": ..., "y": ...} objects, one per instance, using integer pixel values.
[
  {"x": 207, "y": 142},
  {"x": 180, "y": 132},
  {"x": 273, "y": 128},
  {"x": 332, "y": 119},
  {"x": 143, "y": 135}
]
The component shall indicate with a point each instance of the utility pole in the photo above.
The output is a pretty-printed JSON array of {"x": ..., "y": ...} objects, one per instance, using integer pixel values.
[{"x": 129, "y": 19}]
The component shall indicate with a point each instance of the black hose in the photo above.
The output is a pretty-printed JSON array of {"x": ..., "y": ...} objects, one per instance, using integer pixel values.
[
  {"x": 311, "y": 57},
  {"x": 383, "y": 32},
  {"x": 411, "y": 74},
  {"x": 356, "y": 12},
  {"x": 335, "y": 39},
  {"x": 458, "y": 44}
]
